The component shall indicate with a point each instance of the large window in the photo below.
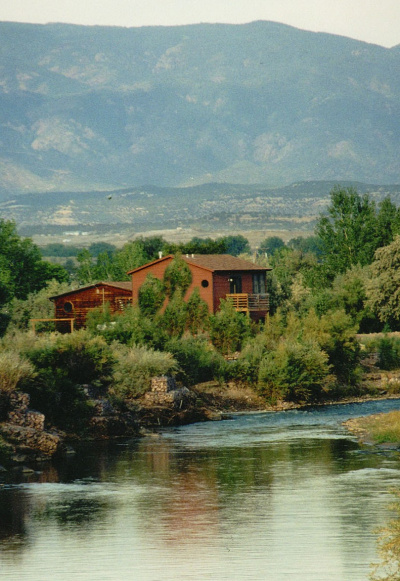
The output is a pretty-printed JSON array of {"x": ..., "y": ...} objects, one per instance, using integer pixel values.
[{"x": 259, "y": 286}]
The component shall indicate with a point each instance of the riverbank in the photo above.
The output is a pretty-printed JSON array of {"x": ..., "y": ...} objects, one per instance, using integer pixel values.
[{"x": 377, "y": 429}]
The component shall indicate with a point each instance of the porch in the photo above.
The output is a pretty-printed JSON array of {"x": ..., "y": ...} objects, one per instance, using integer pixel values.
[{"x": 247, "y": 303}]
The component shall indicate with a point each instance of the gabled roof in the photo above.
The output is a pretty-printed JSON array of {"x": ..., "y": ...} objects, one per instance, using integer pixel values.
[
  {"x": 211, "y": 262},
  {"x": 222, "y": 262},
  {"x": 122, "y": 285}
]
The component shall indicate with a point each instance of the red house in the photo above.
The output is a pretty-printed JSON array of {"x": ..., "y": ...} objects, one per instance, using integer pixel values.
[
  {"x": 217, "y": 276},
  {"x": 76, "y": 304}
]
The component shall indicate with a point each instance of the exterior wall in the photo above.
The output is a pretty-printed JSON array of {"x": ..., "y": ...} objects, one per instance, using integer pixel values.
[
  {"x": 84, "y": 300},
  {"x": 222, "y": 285},
  {"x": 138, "y": 278},
  {"x": 201, "y": 279}
]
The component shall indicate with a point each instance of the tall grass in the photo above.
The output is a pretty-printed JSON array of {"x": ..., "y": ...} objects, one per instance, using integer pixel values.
[
  {"x": 13, "y": 369},
  {"x": 134, "y": 368}
]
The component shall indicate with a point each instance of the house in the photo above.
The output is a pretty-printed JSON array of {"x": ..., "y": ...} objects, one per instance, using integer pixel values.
[
  {"x": 75, "y": 305},
  {"x": 217, "y": 276}
]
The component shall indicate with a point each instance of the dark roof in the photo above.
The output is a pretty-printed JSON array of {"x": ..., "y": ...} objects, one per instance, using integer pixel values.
[
  {"x": 212, "y": 262},
  {"x": 123, "y": 285},
  {"x": 222, "y": 262}
]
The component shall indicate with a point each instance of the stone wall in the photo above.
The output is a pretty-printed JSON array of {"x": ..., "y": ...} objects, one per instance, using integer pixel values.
[{"x": 164, "y": 391}]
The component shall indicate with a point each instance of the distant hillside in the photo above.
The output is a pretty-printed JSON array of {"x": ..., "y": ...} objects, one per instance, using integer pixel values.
[
  {"x": 208, "y": 208},
  {"x": 91, "y": 108}
]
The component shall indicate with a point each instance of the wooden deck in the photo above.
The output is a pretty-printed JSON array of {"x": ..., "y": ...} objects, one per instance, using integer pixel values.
[{"x": 246, "y": 303}]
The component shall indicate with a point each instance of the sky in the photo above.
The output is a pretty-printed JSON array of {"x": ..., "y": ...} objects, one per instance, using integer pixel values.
[{"x": 374, "y": 21}]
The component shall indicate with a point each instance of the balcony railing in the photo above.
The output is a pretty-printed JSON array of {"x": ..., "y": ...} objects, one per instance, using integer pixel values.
[{"x": 246, "y": 302}]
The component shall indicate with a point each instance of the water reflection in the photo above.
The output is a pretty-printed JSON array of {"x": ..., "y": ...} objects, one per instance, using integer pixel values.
[{"x": 284, "y": 496}]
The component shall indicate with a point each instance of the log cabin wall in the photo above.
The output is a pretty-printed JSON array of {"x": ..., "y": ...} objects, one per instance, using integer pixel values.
[{"x": 77, "y": 304}]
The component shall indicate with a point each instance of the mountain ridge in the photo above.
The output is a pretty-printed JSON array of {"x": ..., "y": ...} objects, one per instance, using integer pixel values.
[{"x": 87, "y": 108}]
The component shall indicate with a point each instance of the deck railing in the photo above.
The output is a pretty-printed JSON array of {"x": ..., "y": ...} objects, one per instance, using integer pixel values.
[{"x": 246, "y": 302}]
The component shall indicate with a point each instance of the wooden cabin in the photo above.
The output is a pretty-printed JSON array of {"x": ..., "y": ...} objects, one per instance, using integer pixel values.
[
  {"x": 217, "y": 276},
  {"x": 76, "y": 304}
]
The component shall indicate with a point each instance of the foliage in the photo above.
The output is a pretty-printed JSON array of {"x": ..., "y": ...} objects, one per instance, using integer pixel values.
[
  {"x": 197, "y": 361},
  {"x": 63, "y": 364},
  {"x": 270, "y": 245},
  {"x": 22, "y": 269},
  {"x": 228, "y": 328},
  {"x": 197, "y": 314},
  {"x": 134, "y": 368},
  {"x": 151, "y": 296},
  {"x": 235, "y": 245},
  {"x": 174, "y": 319},
  {"x": 177, "y": 276},
  {"x": 388, "y": 353},
  {"x": 130, "y": 327},
  {"x": 383, "y": 288},
  {"x": 36, "y": 306},
  {"x": 294, "y": 371},
  {"x": 347, "y": 231},
  {"x": 14, "y": 368}
]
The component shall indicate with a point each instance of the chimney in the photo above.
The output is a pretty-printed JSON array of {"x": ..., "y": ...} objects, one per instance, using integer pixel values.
[{"x": 160, "y": 254}]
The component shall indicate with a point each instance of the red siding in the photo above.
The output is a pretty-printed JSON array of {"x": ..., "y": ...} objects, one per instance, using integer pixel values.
[{"x": 158, "y": 269}]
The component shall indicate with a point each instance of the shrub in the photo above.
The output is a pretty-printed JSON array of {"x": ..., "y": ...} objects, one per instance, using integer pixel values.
[
  {"x": 197, "y": 361},
  {"x": 177, "y": 276},
  {"x": 63, "y": 363},
  {"x": 174, "y": 318},
  {"x": 197, "y": 313},
  {"x": 294, "y": 372},
  {"x": 13, "y": 369},
  {"x": 389, "y": 353},
  {"x": 132, "y": 328},
  {"x": 228, "y": 328},
  {"x": 151, "y": 296},
  {"x": 135, "y": 366}
]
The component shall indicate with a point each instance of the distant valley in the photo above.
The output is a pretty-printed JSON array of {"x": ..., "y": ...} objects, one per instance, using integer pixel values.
[{"x": 178, "y": 213}]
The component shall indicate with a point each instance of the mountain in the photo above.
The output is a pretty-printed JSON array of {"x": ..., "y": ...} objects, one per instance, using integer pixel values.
[
  {"x": 202, "y": 210},
  {"x": 94, "y": 108}
]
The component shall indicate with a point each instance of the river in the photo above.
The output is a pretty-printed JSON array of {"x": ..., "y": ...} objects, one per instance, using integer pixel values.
[{"x": 260, "y": 497}]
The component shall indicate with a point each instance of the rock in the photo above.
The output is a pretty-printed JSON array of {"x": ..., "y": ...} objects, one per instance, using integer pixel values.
[{"x": 37, "y": 441}]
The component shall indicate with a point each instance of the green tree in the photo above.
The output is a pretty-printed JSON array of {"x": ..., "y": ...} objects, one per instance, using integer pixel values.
[
  {"x": 235, "y": 245},
  {"x": 151, "y": 296},
  {"x": 383, "y": 289},
  {"x": 177, "y": 276},
  {"x": 270, "y": 245},
  {"x": 197, "y": 313},
  {"x": 347, "y": 232},
  {"x": 22, "y": 269},
  {"x": 229, "y": 328}
]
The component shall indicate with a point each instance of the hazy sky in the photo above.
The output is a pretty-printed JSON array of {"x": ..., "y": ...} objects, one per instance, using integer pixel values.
[{"x": 376, "y": 21}]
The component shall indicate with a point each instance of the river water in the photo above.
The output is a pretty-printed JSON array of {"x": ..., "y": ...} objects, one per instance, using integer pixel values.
[{"x": 266, "y": 496}]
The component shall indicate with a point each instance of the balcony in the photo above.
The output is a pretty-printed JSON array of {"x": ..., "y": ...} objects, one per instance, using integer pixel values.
[{"x": 246, "y": 303}]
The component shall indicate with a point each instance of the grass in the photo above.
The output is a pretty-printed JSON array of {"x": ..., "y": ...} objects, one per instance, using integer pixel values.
[{"x": 379, "y": 428}]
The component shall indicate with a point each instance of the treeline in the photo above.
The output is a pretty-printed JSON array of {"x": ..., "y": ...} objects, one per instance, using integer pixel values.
[{"x": 323, "y": 291}]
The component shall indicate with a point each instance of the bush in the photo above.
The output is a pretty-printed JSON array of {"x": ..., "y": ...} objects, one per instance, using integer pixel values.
[
  {"x": 197, "y": 361},
  {"x": 63, "y": 363},
  {"x": 389, "y": 353},
  {"x": 135, "y": 366},
  {"x": 294, "y": 372},
  {"x": 132, "y": 328},
  {"x": 229, "y": 328},
  {"x": 151, "y": 296},
  {"x": 13, "y": 370}
]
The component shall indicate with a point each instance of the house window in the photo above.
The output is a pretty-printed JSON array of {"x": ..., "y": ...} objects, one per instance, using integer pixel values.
[
  {"x": 235, "y": 284},
  {"x": 204, "y": 283},
  {"x": 68, "y": 307},
  {"x": 259, "y": 286}
]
